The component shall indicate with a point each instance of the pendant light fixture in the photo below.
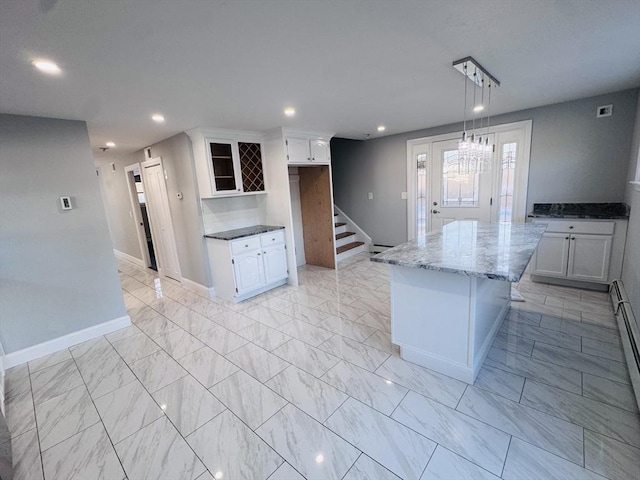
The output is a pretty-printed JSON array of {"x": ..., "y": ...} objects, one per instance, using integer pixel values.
[{"x": 474, "y": 151}]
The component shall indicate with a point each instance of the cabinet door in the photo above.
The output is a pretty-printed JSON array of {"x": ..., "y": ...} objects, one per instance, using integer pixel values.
[
  {"x": 250, "y": 155},
  {"x": 298, "y": 150},
  {"x": 589, "y": 257},
  {"x": 275, "y": 263},
  {"x": 320, "y": 151},
  {"x": 552, "y": 255},
  {"x": 225, "y": 166},
  {"x": 248, "y": 272}
]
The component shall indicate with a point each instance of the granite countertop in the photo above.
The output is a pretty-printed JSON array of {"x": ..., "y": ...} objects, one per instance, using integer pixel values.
[
  {"x": 580, "y": 210},
  {"x": 498, "y": 251},
  {"x": 243, "y": 232}
]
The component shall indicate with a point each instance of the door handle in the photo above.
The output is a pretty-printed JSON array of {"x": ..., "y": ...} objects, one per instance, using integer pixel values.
[{"x": 435, "y": 211}]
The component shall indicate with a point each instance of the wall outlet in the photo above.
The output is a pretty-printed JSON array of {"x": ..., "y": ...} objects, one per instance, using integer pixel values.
[
  {"x": 370, "y": 195},
  {"x": 604, "y": 111},
  {"x": 403, "y": 195}
]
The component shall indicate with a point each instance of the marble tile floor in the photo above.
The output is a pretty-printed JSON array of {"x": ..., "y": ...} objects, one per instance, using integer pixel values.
[{"x": 304, "y": 382}]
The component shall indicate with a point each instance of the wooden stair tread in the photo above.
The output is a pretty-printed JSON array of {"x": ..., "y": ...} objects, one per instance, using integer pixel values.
[
  {"x": 348, "y": 246},
  {"x": 340, "y": 224},
  {"x": 344, "y": 234}
]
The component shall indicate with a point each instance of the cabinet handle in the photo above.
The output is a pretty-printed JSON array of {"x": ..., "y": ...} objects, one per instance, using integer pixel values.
[
  {"x": 308, "y": 158},
  {"x": 573, "y": 238},
  {"x": 246, "y": 246},
  {"x": 571, "y": 227},
  {"x": 313, "y": 159},
  {"x": 258, "y": 254},
  {"x": 566, "y": 238}
]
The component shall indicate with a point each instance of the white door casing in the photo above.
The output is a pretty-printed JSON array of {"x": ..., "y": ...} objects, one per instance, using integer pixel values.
[
  {"x": 517, "y": 132},
  {"x": 296, "y": 212},
  {"x": 129, "y": 170},
  {"x": 160, "y": 219}
]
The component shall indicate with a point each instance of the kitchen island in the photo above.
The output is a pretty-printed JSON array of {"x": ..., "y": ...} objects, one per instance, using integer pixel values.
[{"x": 450, "y": 291}]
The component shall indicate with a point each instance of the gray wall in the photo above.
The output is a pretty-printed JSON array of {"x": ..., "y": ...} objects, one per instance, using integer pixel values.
[
  {"x": 631, "y": 265},
  {"x": 177, "y": 160},
  {"x": 58, "y": 271},
  {"x": 575, "y": 157},
  {"x": 115, "y": 195}
]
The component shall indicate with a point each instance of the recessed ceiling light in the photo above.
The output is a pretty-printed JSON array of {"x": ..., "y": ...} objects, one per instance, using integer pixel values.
[
  {"x": 289, "y": 111},
  {"x": 157, "y": 118},
  {"x": 110, "y": 144},
  {"x": 320, "y": 458},
  {"x": 381, "y": 128},
  {"x": 478, "y": 108},
  {"x": 218, "y": 475},
  {"x": 46, "y": 66}
]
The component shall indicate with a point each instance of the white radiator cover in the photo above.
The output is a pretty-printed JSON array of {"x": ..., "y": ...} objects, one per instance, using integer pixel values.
[{"x": 628, "y": 333}]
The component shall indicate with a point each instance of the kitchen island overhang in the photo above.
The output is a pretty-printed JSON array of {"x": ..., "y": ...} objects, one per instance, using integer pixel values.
[{"x": 450, "y": 291}]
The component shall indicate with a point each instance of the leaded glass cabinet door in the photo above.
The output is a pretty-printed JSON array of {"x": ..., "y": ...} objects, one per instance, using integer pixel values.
[{"x": 251, "y": 167}]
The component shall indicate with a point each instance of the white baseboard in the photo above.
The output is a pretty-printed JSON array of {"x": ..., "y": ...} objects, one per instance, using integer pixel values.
[
  {"x": 51, "y": 346},
  {"x": 198, "y": 288},
  {"x": 126, "y": 256}
]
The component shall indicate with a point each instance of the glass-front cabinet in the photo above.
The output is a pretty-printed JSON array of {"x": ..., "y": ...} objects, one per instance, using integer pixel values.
[{"x": 229, "y": 165}]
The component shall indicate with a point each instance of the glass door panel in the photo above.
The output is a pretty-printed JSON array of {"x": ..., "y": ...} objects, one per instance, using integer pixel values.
[{"x": 223, "y": 168}]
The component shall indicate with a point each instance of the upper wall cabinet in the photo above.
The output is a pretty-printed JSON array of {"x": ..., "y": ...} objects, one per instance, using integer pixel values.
[
  {"x": 227, "y": 162},
  {"x": 307, "y": 150}
]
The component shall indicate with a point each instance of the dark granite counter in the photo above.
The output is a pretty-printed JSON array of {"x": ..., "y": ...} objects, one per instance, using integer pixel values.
[
  {"x": 243, "y": 232},
  {"x": 580, "y": 210}
]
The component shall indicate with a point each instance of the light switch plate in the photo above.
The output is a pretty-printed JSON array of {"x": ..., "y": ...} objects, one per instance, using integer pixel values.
[
  {"x": 370, "y": 195},
  {"x": 403, "y": 195}
]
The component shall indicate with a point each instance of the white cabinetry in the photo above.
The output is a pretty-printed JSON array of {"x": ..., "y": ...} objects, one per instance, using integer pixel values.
[
  {"x": 580, "y": 250},
  {"x": 248, "y": 266},
  {"x": 302, "y": 150},
  {"x": 227, "y": 162}
]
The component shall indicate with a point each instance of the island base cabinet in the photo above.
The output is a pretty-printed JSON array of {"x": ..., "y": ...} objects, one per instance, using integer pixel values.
[
  {"x": 246, "y": 267},
  {"x": 446, "y": 321}
]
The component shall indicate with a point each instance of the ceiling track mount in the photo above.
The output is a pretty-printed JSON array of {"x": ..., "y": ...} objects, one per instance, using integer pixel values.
[{"x": 476, "y": 72}]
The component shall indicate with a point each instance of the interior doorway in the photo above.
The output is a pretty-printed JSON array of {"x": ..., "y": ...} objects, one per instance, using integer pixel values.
[
  {"x": 157, "y": 203},
  {"x": 438, "y": 195},
  {"x": 140, "y": 214}
]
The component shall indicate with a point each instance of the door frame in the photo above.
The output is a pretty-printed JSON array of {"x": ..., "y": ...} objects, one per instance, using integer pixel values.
[
  {"x": 155, "y": 235},
  {"x": 521, "y": 174},
  {"x": 135, "y": 209}
]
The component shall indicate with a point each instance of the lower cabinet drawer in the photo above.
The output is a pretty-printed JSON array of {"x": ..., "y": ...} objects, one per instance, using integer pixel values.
[
  {"x": 578, "y": 226},
  {"x": 244, "y": 245},
  {"x": 272, "y": 238}
]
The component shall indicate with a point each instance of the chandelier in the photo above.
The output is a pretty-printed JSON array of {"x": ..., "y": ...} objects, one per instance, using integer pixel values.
[{"x": 475, "y": 152}]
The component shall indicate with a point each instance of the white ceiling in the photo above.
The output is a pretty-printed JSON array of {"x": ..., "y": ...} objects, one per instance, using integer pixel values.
[{"x": 346, "y": 66}]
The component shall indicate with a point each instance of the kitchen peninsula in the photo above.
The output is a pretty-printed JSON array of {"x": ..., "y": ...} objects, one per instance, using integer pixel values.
[{"x": 450, "y": 291}]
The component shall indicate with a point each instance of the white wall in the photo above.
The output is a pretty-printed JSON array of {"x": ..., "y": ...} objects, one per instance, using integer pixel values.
[
  {"x": 631, "y": 263},
  {"x": 58, "y": 271}
]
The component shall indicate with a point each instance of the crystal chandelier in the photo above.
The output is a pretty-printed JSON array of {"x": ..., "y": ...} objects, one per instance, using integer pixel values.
[{"x": 475, "y": 152}]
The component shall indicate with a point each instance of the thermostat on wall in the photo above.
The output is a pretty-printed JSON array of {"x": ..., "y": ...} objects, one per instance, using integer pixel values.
[{"x": 65, "y": 203}]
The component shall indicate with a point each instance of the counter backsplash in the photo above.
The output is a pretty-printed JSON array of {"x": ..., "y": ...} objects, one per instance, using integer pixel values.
[{"x": 219, "y": 214}]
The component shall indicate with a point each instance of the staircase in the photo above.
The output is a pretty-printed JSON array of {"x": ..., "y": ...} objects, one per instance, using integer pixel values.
[{"x": 350, "y": 240}]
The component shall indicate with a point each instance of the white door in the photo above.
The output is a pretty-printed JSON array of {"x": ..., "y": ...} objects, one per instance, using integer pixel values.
[
  {"x": 589, "y": 257},
  {"x": 552, "y": 255},
  {"x": 454, "y": 196},
  {"x": 275, "y": 263},
  {"x": 247, "y": 269},
  {"x": 160, "y": 219}
]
